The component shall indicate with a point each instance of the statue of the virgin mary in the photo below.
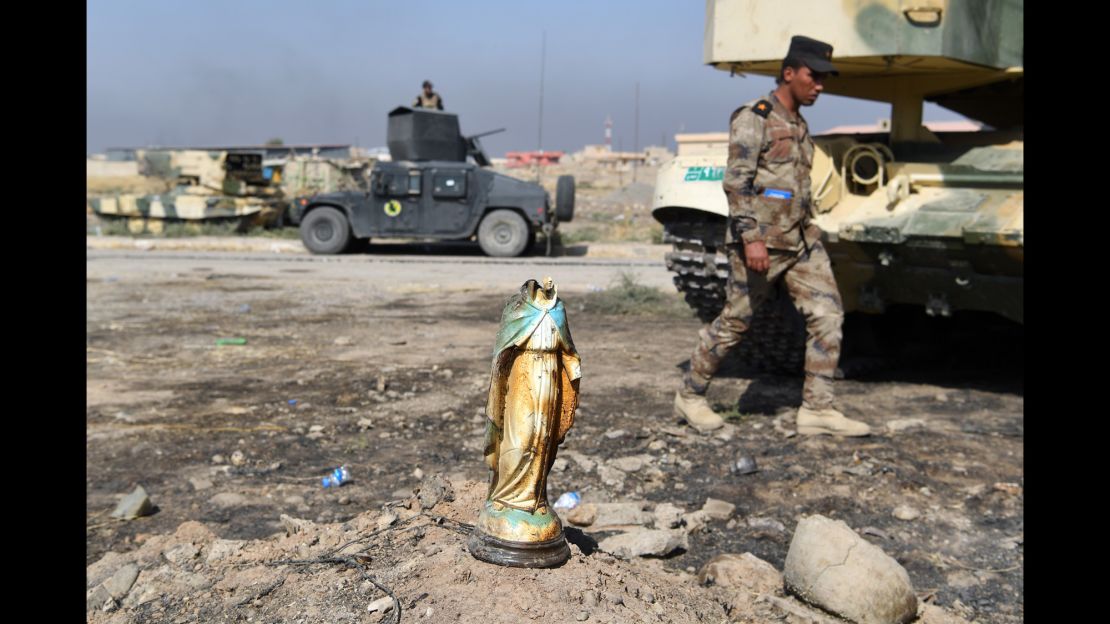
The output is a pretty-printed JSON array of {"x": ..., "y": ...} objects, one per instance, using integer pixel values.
[{"x": 532, "y": 399}]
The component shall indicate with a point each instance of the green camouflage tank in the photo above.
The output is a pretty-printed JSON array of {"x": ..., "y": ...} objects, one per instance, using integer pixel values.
[{"x": 206, "y": 186}]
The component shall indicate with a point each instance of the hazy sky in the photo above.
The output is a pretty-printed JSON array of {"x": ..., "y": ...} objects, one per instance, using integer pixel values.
[{"x": 241, "y": 72}]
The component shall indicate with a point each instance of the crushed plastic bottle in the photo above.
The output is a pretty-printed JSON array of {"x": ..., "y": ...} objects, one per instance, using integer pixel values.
[
  {"x": 568, "y": 500},
  {"x": 336, "y": 477}
]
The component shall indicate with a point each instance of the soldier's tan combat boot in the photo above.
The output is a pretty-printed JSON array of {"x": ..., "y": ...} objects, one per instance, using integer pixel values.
[
  {"x": 697, "y": 412},
  {"x": 829, "y": 422}
]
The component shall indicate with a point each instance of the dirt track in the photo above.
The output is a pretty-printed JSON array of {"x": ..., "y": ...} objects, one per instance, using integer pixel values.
[{"x": 162, "y": 400}]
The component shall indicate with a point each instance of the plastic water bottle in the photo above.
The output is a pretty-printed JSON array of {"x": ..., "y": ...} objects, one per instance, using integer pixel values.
[
  {"x": 569, "y": 500},
  {"x": 337, "y": 477}
]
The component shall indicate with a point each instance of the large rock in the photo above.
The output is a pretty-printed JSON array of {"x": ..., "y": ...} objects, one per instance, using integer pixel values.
[
  {"x": 433, "y": 490},
  {"x": 122, "y": 580},
  {"x": 96, "y": 597},
  {"x": 293, "y": 525},
  {"x": 583, "y": 515},
  {"x": 133, "y": 505},
  {"x": 112, "y": 589},
  {"x": 694, "y": 521},
  {"x": 632, "y": 463},
  {"x": 223, "y": 548},
  {"x": 383, "y": 604},
  {"x": 104, "y": 568},
  {"x": 830, "y": 566},
  {"x": 181, "y": 555},
  {"x": 668, "y": 516},
  {"x": 645, "y": 542},
  {"x": 585, "y": 463},
  {"x": 611, "y": 514},
  {"x": 745, "y": 571},
  {"x": 227, "y": 500},
  {"x": 716, "y": 509},
  {"x": 611, "y": 476}
]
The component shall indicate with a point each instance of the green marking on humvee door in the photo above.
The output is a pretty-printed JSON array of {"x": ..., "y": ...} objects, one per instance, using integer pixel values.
[{"x": 704, "y": 174}]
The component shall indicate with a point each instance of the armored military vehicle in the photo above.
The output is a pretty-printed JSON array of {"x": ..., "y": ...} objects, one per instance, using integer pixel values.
[
  {"x": 910, "y": 217},
  {"x": 202, "y": 185},
  {"x": 430, "y": 190}
]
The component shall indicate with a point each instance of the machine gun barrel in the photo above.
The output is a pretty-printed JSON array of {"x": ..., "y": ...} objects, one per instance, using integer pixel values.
[{"x": 486, "y": 133}]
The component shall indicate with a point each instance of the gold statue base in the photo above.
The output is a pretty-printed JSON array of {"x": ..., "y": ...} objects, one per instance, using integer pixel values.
[{"x": 547, "y": 554}]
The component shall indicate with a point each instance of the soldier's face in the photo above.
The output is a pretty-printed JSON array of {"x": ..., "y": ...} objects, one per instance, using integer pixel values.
[
  {"x": 805, "y": 84},
  {"x": 427, "y": 89}
]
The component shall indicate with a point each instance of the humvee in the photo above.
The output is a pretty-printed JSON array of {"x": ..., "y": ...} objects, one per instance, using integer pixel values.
[{"x": 429, "y": 190}]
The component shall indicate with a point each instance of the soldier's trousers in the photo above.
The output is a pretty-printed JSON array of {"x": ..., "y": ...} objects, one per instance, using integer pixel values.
[{"x": 809, "y": 281}]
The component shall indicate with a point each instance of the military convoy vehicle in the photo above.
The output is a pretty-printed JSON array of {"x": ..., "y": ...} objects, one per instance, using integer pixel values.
[
  {"x": 430, "y": 190},
  {"x": 202, "y": 185},
  {"x": 910, "y": 217}
]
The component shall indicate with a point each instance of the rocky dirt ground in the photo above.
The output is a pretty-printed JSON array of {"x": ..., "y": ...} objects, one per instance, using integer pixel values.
[{"x": 228, "y": 440}]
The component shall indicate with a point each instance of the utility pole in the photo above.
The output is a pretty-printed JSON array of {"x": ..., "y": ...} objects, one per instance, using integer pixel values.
[
  {"x": 539, "y": 141},
  {"x": 636, "y": 132},
  {"x": 620, "y": 168}
]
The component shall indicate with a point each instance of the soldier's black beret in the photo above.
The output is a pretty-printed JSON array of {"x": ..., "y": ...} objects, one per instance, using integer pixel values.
[{"x": 816, "y": 55}]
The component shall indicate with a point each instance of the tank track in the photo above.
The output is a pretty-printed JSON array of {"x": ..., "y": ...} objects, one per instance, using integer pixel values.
[{"x": 776, "y": 340}]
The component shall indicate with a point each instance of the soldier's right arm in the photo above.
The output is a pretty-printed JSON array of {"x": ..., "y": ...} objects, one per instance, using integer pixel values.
[
  {"x": 745, "y": 143},
  {"x": 416, "y": 102}
]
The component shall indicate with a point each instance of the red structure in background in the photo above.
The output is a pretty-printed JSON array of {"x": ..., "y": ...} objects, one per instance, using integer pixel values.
[{"x": 527, "y": 159}]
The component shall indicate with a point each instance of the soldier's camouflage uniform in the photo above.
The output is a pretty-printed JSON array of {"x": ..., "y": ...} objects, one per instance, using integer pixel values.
[
  {"x": 770, "y": 149},
  {"x": 432, "y": 101}
]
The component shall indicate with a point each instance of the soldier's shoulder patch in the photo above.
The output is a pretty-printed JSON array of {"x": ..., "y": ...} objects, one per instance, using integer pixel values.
[{"x": 762, "y": 108}]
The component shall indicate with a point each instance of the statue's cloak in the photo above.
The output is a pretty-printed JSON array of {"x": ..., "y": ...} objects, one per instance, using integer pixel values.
[{"x": 519, "y": 320}]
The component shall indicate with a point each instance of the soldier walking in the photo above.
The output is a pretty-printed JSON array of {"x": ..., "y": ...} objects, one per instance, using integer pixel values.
[
  {"x": 428, "y": 98},
  {"x": 770, "y": 237}
]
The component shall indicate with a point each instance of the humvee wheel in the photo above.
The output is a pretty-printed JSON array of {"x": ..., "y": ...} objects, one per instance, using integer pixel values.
[
  {"x": 325, "y": 230},
  {"x": 564, "y": 198},
  {"x": 503, "y": 233}
]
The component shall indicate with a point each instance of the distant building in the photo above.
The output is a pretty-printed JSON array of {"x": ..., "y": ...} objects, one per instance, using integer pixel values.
[
  {"x": 527, "y": 159},
  {"x": 702, "y": 144},
  {"x": 655, "y": 155},
  {"x": 593, "y": 152},
  {"x": 605, "y": 157}
]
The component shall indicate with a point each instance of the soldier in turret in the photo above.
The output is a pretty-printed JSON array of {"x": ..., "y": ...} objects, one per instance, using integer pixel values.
[
  {"x": 428, "y": 98},
  {"x": 770, "y": 237}
]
